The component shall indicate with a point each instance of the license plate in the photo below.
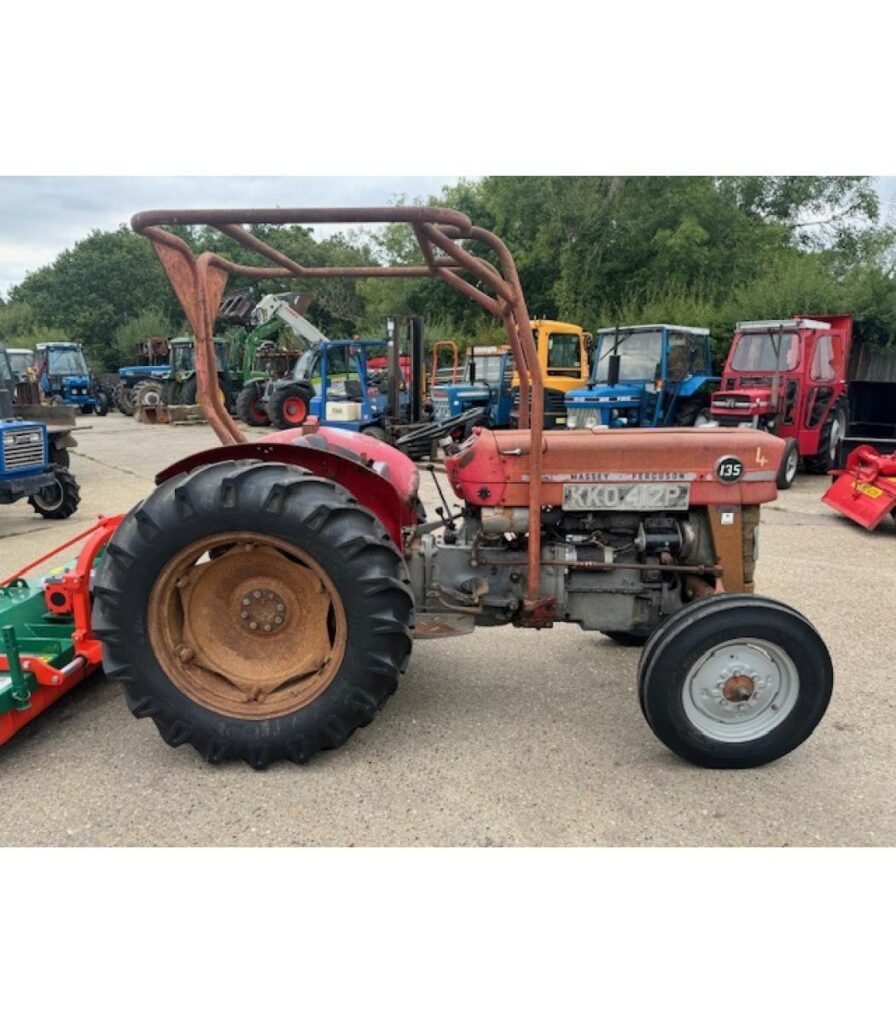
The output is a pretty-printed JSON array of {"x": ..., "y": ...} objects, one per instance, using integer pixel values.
[{"x": 635, "y": 497}]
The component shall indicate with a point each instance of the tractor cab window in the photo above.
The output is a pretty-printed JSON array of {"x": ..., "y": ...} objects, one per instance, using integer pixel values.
[
  {"x": 564, "y": 355},
  {"x": 685, "y": 356},
  {"x": 6, "y": 373},
  {"x": 766, "y": 351},
  {"x": 21, "y": 362},
  {"x": 639, "y": 353},
  {"x": 826, "y": 358},
  {"x": 182, "y": 357},
  {"x": 488, "y": 370},
  {"x": 66, "y": 361},
  {"x": 306, "y": 365}
]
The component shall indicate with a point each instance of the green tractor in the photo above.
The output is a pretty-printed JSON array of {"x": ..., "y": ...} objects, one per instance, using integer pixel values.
[
  {"x": 179, "y": 386},
  {"x": 257, "y": 355}
]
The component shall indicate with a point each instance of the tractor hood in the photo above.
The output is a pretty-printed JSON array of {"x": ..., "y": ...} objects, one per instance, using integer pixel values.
[
  {"x": 492, "y": 468},
  {"x": 603, "y": 394}
]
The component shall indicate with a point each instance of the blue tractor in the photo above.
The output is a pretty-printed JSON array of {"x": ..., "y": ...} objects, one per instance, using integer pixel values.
[
  {"x": 154, "y": 366},
  {"x": 651, "y": 375},
  {"x": 26, "y": 470},
  {"x": 486, "y": 385},
  {"x": 65, "y": 377}
]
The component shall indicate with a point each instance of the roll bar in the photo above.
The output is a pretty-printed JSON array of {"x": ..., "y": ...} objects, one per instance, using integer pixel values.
[{"x": 200, "y": 281}]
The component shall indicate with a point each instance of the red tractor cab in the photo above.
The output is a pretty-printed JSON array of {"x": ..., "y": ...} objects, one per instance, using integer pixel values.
[{"x": 789, "y": 377}]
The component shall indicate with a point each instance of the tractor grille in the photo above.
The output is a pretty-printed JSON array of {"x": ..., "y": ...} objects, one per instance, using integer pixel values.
[
  {"x": 22, "y": 449},
  {"x": 441, "y": 407}
]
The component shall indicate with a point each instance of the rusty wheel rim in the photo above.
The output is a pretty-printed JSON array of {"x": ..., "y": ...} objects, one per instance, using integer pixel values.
[{"x": 247, "y": 625}]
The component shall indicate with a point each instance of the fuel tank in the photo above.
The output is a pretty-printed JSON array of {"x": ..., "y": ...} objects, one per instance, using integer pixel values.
[{"x": 721, "y": 466}]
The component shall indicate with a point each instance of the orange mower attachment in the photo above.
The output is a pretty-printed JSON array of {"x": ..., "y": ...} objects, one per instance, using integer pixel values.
[{"x": 865, "y": 490}]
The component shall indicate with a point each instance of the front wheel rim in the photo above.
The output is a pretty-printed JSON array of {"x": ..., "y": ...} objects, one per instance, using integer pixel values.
[
  {"x": 57, "y": 498},
  {"x": 740, "y": 690},
  {"x": 294, "y": 410},
  {"x": 836, "y": 431},
  {"x": 247, "y": 625},
  {"x": 793, "y": 461}
]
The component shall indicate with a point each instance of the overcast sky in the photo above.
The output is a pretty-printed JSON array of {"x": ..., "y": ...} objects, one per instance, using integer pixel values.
[{"x": 39, "y": 217}]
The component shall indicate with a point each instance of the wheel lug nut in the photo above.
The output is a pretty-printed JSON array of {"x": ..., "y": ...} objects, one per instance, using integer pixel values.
[
  {"x": 246, "y": 600},
  {"x": 244, "y": 614},
  {"x": 253, "y": 625},
  {"x": 280, "y": 608},
  {"x": 278, "y": 620},
  {"x": 256, "y": 593},
  {"x": 267, "y": 627}
]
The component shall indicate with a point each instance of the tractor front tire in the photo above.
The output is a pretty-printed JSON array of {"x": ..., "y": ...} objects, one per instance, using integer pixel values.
[
  {"x": 249, "y": 406},
  {"x": 832, "y": 433},
  {"x": 102, "y": 404},
  {"x": 734, "y": 681},
  {"x": 290, "y": 635},
  {"x": 59, "y": 500},
  {"x": 790, "y": 465},
  {"x": 60, "y": 456},
  {"x": 693, "y": 413},
  {"x": 189, "y": 392},
  {"x": 289, "y": 406},
  {"x": 124, "y": 400}
]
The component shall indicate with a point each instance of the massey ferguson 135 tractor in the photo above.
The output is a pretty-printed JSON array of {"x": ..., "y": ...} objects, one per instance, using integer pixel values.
[{"x": 262, "y": 602}]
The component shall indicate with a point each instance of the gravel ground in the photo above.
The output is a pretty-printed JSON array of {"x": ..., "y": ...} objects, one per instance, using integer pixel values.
[{"x": 505, "y": 737}]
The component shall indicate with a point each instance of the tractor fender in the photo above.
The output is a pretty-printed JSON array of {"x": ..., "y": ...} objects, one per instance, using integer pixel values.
[{"x": 368, "y": 480}]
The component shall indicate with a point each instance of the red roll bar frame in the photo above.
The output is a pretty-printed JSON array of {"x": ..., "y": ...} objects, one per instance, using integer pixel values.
[{"x": 200, "y": 281}]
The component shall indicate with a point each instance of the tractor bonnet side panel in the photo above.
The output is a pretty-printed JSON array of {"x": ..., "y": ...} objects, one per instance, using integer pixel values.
[{"x": 493, "y": 468}]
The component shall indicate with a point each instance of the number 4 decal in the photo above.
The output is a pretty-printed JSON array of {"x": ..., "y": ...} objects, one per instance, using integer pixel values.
[{"x": 761, "y": 460}]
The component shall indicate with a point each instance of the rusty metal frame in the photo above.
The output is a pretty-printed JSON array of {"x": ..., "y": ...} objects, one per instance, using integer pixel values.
[{"x": 200, "y": 281}]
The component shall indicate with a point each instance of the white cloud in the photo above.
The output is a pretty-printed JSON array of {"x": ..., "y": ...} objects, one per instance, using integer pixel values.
[{"x": 42, "y": 216}]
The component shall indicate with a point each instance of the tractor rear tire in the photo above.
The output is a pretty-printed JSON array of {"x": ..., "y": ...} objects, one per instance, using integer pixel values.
[
  {"x": 734, "y": 681},
  {"x": 289, "y": 406},
  {"x": 148, "y": 393},
  {"x": 197, "y": 668},
  {"x": 790, "y": 465},
  {"x": 832, "y": 433},
  {"x": 61, "y": 499},
  {"x": 249, "y": 407}
]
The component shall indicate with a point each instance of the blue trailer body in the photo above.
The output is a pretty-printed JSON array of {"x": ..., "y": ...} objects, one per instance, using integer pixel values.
[{"x": 664, "y": 379}]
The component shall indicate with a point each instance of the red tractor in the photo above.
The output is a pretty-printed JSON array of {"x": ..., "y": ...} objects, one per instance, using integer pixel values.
[
  {"x": 789, "y": 377},
  {"x": 263, "y": 601}
]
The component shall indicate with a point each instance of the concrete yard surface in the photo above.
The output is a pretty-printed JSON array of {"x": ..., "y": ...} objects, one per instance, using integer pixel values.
[{"x": 504, "y": 737}]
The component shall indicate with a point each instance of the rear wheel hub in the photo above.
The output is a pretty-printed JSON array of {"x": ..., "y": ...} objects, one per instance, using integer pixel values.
[{"x": 247, "y": 625}]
